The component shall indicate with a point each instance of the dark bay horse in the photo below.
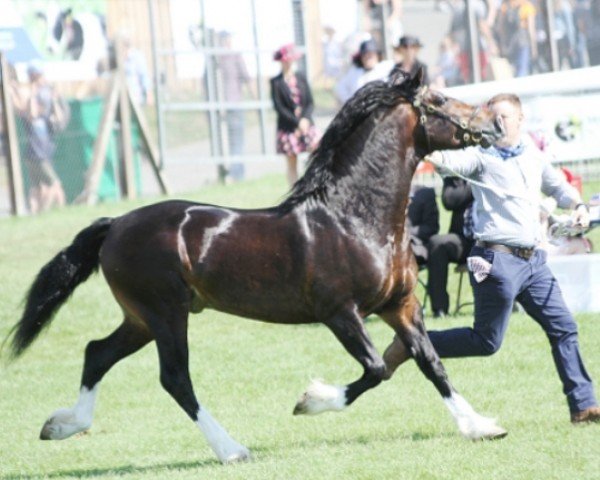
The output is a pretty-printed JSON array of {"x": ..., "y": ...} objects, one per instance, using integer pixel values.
[{"x": 334, "y": 251}]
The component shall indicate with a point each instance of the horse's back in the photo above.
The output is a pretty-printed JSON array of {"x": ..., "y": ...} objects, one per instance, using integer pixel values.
[{"x": 143, "y": 243}]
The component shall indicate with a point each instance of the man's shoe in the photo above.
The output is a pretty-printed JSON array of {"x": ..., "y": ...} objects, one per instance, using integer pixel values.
[
  {"x": 439, "y": 313},
  {"x": 588, "y": 415}
]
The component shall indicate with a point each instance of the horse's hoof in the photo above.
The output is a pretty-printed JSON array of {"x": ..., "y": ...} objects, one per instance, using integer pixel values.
[
  {"x": 238, "y": 457},
  {"x": 62, "y": 424},
  {"x": 496, "y": 435},
  {"x": 301, "y": 408},
  {"x": 46, "y": 433}
]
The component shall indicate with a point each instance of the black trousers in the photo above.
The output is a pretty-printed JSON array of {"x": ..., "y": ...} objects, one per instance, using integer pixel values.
[{"x": 443, "y": 250}]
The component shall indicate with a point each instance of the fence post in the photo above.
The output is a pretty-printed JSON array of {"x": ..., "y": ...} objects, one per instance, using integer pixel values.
[
  {"x": 15, "y": 178},
  {"x": 125, "y": 120}
]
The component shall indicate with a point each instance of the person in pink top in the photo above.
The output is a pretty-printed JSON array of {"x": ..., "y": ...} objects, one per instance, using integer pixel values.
[{"x": 293, "y": 102}]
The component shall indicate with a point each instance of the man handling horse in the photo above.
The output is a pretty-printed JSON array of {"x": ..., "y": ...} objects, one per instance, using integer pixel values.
[{"x": 504, "y": 263}]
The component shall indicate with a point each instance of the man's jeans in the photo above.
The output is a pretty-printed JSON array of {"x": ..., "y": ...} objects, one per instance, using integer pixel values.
[{"x": 531, "y": 283}]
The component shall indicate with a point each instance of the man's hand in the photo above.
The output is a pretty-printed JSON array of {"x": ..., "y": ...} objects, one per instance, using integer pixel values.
[
  {"x": 581, "y": 216},
  {"x": 434, "y": 158}
]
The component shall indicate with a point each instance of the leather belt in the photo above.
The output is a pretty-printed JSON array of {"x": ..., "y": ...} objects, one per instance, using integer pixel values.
[{"x": 525, "y": 253}]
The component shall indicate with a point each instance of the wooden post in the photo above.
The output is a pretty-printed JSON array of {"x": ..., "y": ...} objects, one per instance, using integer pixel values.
[
  {"x": 152, "y": 151},
  {"x": 125, "y": 119},
  {"x": 89, "y": 194},
  {"x": 15, "y": 178}
]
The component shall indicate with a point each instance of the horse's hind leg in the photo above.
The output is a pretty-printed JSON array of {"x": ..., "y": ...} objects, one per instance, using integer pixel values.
[
  {"x": 411, "y": 340},
  {"x": 100, "y": 356},
  {"x": 349, "y": 329},
  {"x": 169, "y": 326}
]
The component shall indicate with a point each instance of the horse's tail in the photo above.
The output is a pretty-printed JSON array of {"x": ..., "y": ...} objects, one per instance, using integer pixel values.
[{"x": 56, "y": 281}]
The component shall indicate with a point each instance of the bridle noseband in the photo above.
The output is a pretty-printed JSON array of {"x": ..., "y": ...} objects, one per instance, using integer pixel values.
[{"x": 425, "y": 109}]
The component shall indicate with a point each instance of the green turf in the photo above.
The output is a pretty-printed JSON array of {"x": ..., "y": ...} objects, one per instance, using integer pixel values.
[{"x": 249, "y": 375}]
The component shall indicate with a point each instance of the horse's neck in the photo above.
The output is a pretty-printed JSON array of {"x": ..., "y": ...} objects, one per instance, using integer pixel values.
[{"x": 374, "y": 196}]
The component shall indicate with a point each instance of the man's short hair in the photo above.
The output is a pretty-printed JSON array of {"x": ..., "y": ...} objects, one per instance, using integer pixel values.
[{"x": 505, "y": 97}]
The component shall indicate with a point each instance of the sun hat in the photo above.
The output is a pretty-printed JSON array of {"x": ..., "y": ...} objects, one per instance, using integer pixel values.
[{"x": 287, "y": 53}]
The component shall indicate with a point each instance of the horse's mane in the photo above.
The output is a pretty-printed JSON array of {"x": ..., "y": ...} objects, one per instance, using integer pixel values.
[{"x": 324, "y": 166}]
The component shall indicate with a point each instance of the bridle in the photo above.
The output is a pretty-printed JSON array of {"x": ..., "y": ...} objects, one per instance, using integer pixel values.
[{"x": 469, "y": 134}]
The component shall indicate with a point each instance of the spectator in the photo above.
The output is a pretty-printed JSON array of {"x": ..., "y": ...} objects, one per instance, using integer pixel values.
[
  {"x": 447, "y": 71},
  {"x": 459, "y": 33},
  {"x": 423, "y": 220},
  {"x": 565, "y": 36},
  {"x": 581, "y": 14},
  {"x": 565, "y": 33},
  {"x": 293, "y": 104},
  {"x": 43, "y": 113},
  {"x": 333, "y": 58},
  {"x": 366, "y": 67},
  {"x": 505, "y": 264},
  {"x": 234, "y": 77},
  {"x": 136, "y": 73},
  {"x": 592, "y": 33},
  {"x": 517, "y": 34},
  {"x": 452, "y": 247},
  {"x": 408, "y": 49},
  {"x": 376, "y": 21}
]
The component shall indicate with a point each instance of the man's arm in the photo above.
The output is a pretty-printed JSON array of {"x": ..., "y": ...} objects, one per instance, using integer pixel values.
[
  {"x": 555, "y": 185},
  {"x": 466, "y": 162}
]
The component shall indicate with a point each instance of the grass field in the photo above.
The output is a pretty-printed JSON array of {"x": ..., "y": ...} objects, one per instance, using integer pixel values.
[{"x": 249, "y": 375}]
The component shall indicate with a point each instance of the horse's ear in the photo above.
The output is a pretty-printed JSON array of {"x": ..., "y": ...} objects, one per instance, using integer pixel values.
[
  {"x": 397, "y": 77},
  {"x": 417, "y": 80}
]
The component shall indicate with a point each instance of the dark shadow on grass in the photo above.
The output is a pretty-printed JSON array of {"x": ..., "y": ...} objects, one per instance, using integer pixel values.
[
  {"x": 365, "y": 440},
  {"x": 121, "y": 471},
  {"x": 115, "y": 471},
  {"x": 265, "y": 448}
]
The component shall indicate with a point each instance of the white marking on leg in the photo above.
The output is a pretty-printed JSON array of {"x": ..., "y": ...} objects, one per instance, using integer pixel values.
[
  {"x": 470, "y": 424},
  {"x": 210, "y": 234},
  {"x": 67, "y": 421},
  {"x": 320, "y": 397},
  {"x": 225, "y": 447}
]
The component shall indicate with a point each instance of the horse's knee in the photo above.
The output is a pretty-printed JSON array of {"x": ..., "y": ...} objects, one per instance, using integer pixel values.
[{"x": 377, "y": 371}]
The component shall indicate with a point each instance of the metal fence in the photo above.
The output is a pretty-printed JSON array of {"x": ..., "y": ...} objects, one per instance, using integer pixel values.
[
  {"x": 198, "y": 73},
  {"x": 214, "y": 108}
]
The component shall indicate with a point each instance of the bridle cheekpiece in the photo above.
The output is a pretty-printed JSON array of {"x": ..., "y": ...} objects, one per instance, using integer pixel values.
[{"x": 469, "y": 134}]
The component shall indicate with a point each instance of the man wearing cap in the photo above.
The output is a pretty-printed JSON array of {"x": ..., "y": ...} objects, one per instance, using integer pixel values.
[
  {"x": 408, "y": 48},
  {"x": 367, "y": 66}
]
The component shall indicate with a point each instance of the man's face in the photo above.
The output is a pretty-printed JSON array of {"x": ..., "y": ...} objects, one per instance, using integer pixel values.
[
  {"x": 511, "y": 117},
  {"x": 409, "y": 54}
]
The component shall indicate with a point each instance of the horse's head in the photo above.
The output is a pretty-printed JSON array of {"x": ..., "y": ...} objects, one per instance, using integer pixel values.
[{"x": 445, "y": 122}]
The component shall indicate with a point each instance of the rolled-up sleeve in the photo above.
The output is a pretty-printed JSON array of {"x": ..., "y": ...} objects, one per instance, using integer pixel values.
[{"x": 555, "y": 185}]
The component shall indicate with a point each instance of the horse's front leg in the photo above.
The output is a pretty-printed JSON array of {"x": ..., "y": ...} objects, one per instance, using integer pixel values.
[
  {"x": 411, "y": 340},
  {"x": 349, "y": 329}
]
